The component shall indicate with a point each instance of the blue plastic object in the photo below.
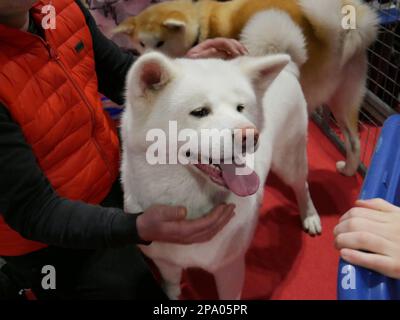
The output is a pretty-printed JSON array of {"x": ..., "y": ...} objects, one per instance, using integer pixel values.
[
  {"x": 382, "y": 181},
  {"x": 389, "y": 16}
]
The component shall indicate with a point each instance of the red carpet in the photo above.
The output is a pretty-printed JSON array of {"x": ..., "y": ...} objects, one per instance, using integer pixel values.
[{"x": 284, "y": 262}]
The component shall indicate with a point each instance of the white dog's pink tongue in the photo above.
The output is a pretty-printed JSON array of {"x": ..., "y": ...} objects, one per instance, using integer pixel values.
[{"x": 241, "y": 185}]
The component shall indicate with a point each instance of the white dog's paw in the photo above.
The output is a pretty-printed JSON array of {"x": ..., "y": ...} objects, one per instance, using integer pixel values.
[
  {"x": 312, "y": 224},
  {"x": 344, "y": 170},
  {"x": 172, "y": 291}
]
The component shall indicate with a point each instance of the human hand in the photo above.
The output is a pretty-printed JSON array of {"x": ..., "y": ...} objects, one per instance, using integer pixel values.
[
  {"x": 372, "y": 226},
  {"x": 222, "y": 48},
  {"x": 168, "y": 224}
]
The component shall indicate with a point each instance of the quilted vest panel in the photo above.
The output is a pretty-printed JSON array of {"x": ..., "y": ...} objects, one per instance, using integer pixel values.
[{"x": 50, "y": 88}]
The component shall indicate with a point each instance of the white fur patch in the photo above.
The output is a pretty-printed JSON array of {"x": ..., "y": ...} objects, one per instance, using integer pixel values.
[{"x": 273, "y": 31}]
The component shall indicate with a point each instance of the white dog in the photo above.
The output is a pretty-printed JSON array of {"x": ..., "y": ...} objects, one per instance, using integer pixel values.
[{"x": 214, "y": 94}]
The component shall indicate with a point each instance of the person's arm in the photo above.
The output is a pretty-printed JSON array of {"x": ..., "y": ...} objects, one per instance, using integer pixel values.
[
  {"x": 29, "y": 204},
  {"x": 112, "y": 64}
]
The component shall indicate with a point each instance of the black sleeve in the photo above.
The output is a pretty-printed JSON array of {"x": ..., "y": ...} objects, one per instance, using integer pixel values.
[
  {"x": 112, "y": 64},
  {"x": 30, "y": 206}
]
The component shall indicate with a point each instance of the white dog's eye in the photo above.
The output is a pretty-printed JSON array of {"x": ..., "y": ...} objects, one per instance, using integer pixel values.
[
  {"x": 240, "y": 108},
  {"x": 201, "y": 112}
]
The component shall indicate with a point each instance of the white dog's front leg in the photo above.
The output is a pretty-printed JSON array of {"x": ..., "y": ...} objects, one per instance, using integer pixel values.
[
  {"x": 309, "y": 215},
  {"x": 230, "y": 279},
  {"x": 171, "y": 275}
]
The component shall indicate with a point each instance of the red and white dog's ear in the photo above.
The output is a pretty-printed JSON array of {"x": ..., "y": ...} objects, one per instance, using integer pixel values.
[
  {"x": 150, "y": 73},
  {"x": 263, "y": 70},
  {"x": 175, "y": 21}
]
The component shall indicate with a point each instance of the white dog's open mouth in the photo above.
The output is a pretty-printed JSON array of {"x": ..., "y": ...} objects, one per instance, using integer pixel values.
[{"x": 226, "y": 175}]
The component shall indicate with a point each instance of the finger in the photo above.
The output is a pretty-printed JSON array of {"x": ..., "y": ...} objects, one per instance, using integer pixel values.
[
  {"x": 211, "y": 221},
  {"x": 360, "y": 225},
  {"x": 194, "y": 51},
  {"x": 193, "y": 227},
  {"x": 363, "y": 241},
  {"x": 171, "y": 213},
  {"x": 214, "y": 53},
  {"x": 211, "y": 43},
  {"x": 376, "y": 262},
  {"x": 209, "y": 53},
  {"x": 228, "y": 55},
  {"x": 203, "y": 46},
  {"x": 183, "y": 229},
  {"x": 229, "y": 46},
  {"x": 378, "y": 204},
  {"x": 364, "y": 213},
  {"x": 208, "y": 234},
  {"x": 242, "y": 49}
]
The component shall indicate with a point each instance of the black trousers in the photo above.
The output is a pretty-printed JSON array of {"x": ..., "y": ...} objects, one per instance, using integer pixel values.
[{"x": 117, "y": 273}]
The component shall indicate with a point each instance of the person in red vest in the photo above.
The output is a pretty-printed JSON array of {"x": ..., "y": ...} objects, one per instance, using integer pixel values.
[{"x": 60, "y": 195}]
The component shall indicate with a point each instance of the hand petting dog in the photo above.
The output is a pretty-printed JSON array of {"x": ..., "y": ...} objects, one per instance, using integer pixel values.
[
  {"x": 168, "y": 224},
  {"x": 369, "y": 235},
  {"x": 219, "y": 48}
]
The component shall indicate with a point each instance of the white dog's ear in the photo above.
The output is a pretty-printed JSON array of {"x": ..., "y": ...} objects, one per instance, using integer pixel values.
[
  {"x": 175, "y": 21},
  {"x": 150, "y": 73},
  {"x": 264, "y": 70}
]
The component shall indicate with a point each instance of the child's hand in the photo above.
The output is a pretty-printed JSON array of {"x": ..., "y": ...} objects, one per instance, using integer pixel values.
[
  {"x": 221, "y": 48},
  {"x": 372, "y": 226}
]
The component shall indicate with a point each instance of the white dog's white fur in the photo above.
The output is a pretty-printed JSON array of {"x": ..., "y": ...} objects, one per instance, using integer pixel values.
[{"x": 159, "y": 90}]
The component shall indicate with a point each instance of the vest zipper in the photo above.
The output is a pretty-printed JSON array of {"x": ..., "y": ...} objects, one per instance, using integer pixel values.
[
  {"x": 53, "y": 53},
  {"x": 54, "y": 56}
]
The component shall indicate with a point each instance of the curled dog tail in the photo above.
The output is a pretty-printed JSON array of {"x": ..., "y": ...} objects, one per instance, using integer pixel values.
[
  {"x": 325, "y": 19},
  {"x": 364, "y": 32},
  {"x": 273, "y": 31}
]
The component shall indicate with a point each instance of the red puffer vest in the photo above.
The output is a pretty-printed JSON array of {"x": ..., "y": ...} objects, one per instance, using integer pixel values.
[{"x": 50, "y": 89}]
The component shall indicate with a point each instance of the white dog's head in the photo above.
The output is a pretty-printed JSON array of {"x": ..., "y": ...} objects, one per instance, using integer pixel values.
[{"x": 201, "y": 97}]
